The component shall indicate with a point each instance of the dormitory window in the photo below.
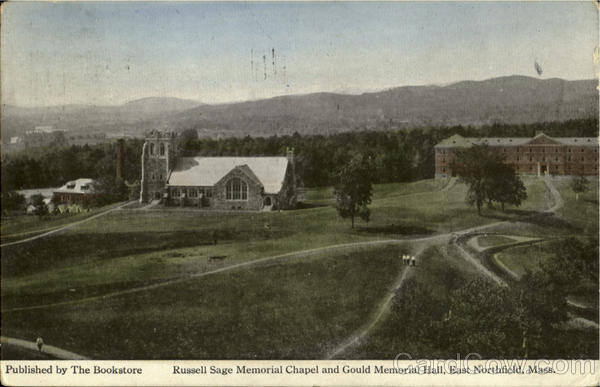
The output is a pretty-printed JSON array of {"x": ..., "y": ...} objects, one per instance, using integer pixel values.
[
  {"x": 162, "y": 149},
  {"x": 175, "y": 192},
  {"x": 208, "y": 193},
  {"x": 192, "y": 192},
  {"x": 236, "y": 190},
  {"x": 151, "y": 149}
]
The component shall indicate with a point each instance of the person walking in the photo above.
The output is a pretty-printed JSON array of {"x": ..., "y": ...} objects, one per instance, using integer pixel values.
[
  {"x": 40, "y": 343},
  {"x": 413, "y": 261}
]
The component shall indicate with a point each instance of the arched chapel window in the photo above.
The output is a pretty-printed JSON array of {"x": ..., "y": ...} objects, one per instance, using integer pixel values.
[
  {"x": 162, "y": 149},
  {"x": 151, "y": 148},
  {"x": 236, "y": 189}
]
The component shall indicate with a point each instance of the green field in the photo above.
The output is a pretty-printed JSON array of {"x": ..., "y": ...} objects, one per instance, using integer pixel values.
[
  {"x": 521, "y": 259},
  {"x": 24, "y": 226},
  {"x": 581, "y": 214},
  {"x": 299, "y": 309},
  {"x": 299, "y": 306},
  {"x": 132, "y": 248},
  {"x": 494, "y": 240}
]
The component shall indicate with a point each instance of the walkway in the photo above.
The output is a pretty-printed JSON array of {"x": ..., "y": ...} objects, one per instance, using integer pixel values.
[
  {"x": 67, "y": 226},
  {"x": 48, "y": 349},
  {"x": 292, "y": 255},
  {"x": 358, "y": 336},
  {"x": 451, "y": 182}
]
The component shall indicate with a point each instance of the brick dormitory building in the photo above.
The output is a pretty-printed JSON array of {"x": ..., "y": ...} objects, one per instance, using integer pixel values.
[{"x": 539, "y": 155}]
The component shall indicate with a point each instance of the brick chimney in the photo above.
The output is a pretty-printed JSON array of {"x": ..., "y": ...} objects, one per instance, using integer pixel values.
[{"x": 120, "y": 158}]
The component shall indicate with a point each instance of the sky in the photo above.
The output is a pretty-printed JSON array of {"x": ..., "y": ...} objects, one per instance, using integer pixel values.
[{"x": 55, "y": 53}]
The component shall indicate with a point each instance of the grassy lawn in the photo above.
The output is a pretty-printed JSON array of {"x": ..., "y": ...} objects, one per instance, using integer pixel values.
[
  {"x": 494, "y": 240},
  {"x": 293, "y": 309},
  {"x": 521, "y": 259},
  {"x": 297, "y": 309},
  {"x": 583, "y": 213},
  {"x": 127, "y": 249},
  {"x": 441, "y": 271},
  {"x": 24, "y": 226}
]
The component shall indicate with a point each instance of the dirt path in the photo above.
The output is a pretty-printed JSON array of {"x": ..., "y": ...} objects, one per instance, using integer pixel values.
[
  {"x": 517, "y": 239},
  {"x": 67, "y": 226},
  {"x": 556, "y": 196},
  {"x": 48, "y": 349},
  {"x": 357, "y": 337},
  {"x": 505, "y": 268},
  {"x": 451, "y": 183},
  {"x": 292, "y": 255},
  {"x": 428, "y": 241},
  {"x": 557, "y": 204},
  {"x": 475, "y": 262}
]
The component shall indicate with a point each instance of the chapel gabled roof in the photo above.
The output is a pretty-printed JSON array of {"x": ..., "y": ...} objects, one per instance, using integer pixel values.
[{"x": 207, "y": 171}]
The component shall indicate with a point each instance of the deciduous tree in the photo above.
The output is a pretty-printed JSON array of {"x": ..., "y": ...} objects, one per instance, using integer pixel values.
[
  {"x": 579, "y": 184},
  {"x": 354, "y": 189}
]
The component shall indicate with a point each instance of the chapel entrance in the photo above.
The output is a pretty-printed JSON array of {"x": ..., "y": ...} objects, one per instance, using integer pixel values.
[{"x": 267, "y": 203}]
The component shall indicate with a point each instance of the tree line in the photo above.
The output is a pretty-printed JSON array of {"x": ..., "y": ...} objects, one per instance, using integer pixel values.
[
  {"x": 54, "y": 166},
  {"x": 395, "y": 155}
]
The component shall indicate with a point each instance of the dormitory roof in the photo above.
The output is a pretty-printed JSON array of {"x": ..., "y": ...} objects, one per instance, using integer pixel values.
[
  {"x": 465, "y": 142},
  {"x": 207, "y": 171}
]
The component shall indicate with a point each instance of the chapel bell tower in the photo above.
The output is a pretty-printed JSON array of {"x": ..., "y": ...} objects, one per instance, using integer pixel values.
[{"x": 158, "y": 159}]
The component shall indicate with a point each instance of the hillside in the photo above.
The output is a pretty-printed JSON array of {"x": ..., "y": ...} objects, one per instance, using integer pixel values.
[
  {"x": 514, "y": 99},
  {"x": 507, "y": 100}
]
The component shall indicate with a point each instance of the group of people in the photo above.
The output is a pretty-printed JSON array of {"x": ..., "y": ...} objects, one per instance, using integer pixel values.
[{"x": 410, "y": 260}]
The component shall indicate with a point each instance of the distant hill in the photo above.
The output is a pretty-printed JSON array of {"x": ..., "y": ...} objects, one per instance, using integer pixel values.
[
  {"x": 127, "y": 117},
  {"x": 513, "y": 99},
  {"x": 159, "y": 105}
]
